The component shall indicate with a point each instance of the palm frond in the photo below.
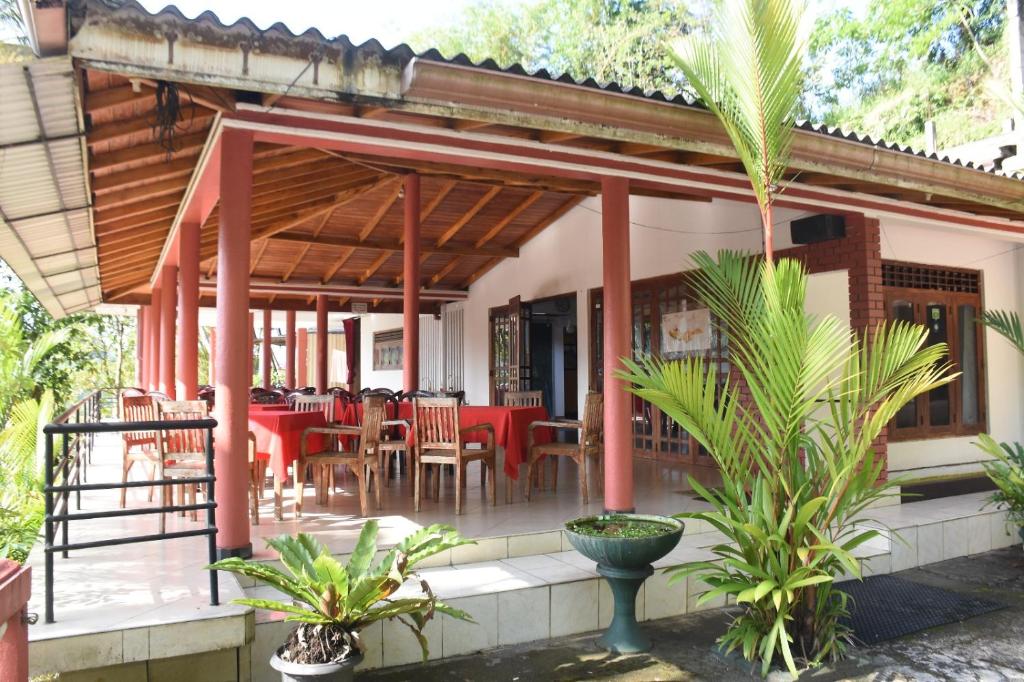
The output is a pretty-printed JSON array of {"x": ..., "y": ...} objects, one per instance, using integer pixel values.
[{"x": 1007, "y": 324}]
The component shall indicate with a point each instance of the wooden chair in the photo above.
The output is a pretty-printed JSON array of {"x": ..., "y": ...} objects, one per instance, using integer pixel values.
[
  {"x": 271, "y": 398},
  {"x": 158, "y": 395},
  {"x": 182, "y": 451},
  {"x": 591, "y": 435},
  {"x": 137, "y": 446},
  {"x": 258, "y": 463},
  {"x": 363, "y": 458},
  {"x": 314, "y": 403},
  {"x": 523, "y": 399},
  {"x": 393, "y": 444},
  {"x": 439, "y": 441}
]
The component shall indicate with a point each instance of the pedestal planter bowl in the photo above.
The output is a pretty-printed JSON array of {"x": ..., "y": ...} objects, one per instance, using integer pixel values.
[
  {"x": 321, "y": 672},
  {"x": 624, "y": 547}
]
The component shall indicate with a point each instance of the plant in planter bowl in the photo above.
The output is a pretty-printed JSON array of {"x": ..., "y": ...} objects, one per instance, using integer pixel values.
[
  {"x": 624, "y": 547},
  {"x": 332, "y": 602},
  {"x": 1007, "y": 472}
]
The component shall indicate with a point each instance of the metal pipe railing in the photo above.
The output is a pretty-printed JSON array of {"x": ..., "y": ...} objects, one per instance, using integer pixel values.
[{"x": 77, "y": 427}]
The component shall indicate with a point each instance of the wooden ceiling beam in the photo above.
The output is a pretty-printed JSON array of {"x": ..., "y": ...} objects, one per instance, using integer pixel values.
[
  {"x": 556, "y": 136},
  {"x": 112, "y": 98},
  {"x": 164, "y": 215},
  {"x": 468, "y": 215},
  {"x": 123, "y": 180},
  {"x": 463, "y": 124},
  {"x": 508, "y": 218},
  {"x": 258, "y": 255},
  {"x": 306, "y": 247},
  {"x": 446, "y": 188},
  {"x": 106, "y": 215},
  {"x": 184, "y": 146},
  {"x": 116, "y": 130},
  {"x": 338, "y": 264},
  {"x": 427, "y": 248},
  {"x": 443, "y": 272},
  {"x": 374, "y": 267},
  {"x": 131, "y": 195},
  {"x": 385, "y": 206}
]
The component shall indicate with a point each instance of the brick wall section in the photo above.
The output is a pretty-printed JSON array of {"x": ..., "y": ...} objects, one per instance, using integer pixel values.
[{"x": 860, "y": 253}]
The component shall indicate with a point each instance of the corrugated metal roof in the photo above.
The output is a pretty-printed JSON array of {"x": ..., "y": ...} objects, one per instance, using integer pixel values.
[
  {"x": 403, "y": 53},
  {"x": 46, "y": 233}
]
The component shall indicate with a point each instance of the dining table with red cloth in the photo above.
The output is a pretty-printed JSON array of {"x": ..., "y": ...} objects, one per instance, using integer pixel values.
[
  {"x": 268, "y": 407},
  {"x": 511, "y": 427},
  {"x": 279, "y": 434}
]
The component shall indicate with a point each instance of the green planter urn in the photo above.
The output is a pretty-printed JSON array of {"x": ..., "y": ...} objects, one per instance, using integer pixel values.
[{"x": 625, "y": 562}]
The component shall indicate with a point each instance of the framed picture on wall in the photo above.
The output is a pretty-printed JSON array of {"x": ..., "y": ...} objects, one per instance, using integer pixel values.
[
  {"x": 685, "y": 332},
  {"x": 387, "y": 350}
]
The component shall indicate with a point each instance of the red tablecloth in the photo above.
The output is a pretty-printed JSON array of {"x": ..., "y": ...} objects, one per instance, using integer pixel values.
[
  {"x": 275, "y": 407},
  {"x": 279, "y": 434},
  {"x": 511, "y": 430}
]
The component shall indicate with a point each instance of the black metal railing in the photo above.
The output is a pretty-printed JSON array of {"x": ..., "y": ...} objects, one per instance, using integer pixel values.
[{"x": 65, "y": 474}]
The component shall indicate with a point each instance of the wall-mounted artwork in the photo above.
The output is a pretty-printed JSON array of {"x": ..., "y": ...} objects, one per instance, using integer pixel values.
[
  {"x": 387, "y": 350},
  {"x": 688, "y": 331}
]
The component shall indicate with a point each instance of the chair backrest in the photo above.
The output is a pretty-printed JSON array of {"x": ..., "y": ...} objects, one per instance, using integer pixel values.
[
  {"x": 523, "y": 398},
  {"x": 346, "y": 396},
  {"x": 158, "y": 395},
  {"x": 409, "y": 396},
  {"x": 266, "y": 399},
  {"x": 138, "y": 408},
  {"x": 314, "y": 403},
  {"x": 182, "y": 444},
  {"x": 252, "y": 447},
  {"x": 373, "y": 422},
  {"x": 132, "y": 392},
  {"x": 436, "y": 423},
  {"x": 593, "y": 418}
]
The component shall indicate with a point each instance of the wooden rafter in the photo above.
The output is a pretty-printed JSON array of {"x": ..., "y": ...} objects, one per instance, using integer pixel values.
[
  {"x": 115, "y": 130},
  {"x": 113, "y": 98},
  {"x": 259, "y": 254},
  {"x": 185, "y": 145},
  {"x": 306, "y": 247},
  {"x": 508, "y": 218},
  {"x": 385, "y": 206},
  {"x": 426, "y": 247},
  {"x": 338, "y": 264},
  {"x": 468, "y": 215},
  {"x": 374, "y": 267}
]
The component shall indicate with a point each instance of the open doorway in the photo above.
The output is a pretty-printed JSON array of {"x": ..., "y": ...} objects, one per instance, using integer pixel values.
[{"x": 552, "y": 340}]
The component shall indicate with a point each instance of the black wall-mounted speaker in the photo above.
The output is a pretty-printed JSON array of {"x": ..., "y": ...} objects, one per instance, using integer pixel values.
[{"x": 817, "y": 228}]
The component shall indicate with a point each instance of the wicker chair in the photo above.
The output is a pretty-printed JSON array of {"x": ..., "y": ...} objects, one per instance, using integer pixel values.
[
  {"x": 439, "y": 441},
  {"x": 363, "y": 458},
  {"x": 591, "y": 434},
  {"x": 182, "y": 451},
  {"x": 137, "y": 446},
  {"x": 523, "y": 399}
]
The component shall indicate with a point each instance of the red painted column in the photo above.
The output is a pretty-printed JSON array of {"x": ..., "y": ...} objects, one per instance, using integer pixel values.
[
  {"x": 153, "y": 330},
  {"x": 187, "y": 375},
  {"x": 212, "y": 379},
  {"x": 411, "y": 285},
  {"x": 266, "y": 361},
  {"x": 15, "y": 590},
  {"x": 321, "y": 344},
  {"x": 140, "y": 314},
  {"x": 235, "y": 331},
  {"x": 252, "y": 349},
  {"x": 289, "y": 349},
  {"x": 618, "y": 314},
  {"x": 168, "y": 319},
  {"x": 302, "y": 362}
]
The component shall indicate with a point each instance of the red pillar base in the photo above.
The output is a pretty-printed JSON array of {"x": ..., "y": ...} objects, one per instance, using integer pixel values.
[{"x": 15, "y": 590}]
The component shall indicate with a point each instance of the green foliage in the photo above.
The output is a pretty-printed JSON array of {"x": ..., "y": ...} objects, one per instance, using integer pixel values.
[
  {"x": 796, "y": 458},
  {"x": 607, "y": 40},
  {"x": 748, "y": 72},
  {"x": 1007, "y": 472},
  {"x": 1007, "y": 468},
  {"x": 351, "y": 597},
  {"x": 889, "y": 66}
]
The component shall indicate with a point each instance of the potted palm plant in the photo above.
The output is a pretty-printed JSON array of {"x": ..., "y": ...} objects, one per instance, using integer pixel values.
[{"x": 332, "y": 602}]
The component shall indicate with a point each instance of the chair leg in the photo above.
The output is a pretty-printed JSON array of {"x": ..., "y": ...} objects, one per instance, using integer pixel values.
[
  {"x": 363, "y": 510},
  {"x": 126, "y": 465},
  {"x": 554, "y": 474},
  {"x": 300, "y": 485},
  {"x": 582, "y": 462},
  {"x": 377, "y": 486},
  {"x": 483, "y": 474},
  {"x": 416, "y": 486},
  {"x": 437, "y": 481},
  {"x": 493, "y": 482},
  {"x": 255, "y": 492},
  {"x": 460, "y": 475},
  {"x": 528, "y": 481},
  {"x": 278, "y": 496}
]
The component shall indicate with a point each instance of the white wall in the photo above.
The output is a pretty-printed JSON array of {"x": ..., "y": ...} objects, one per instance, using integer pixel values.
[
  {"x": 1000, "y": 263},
  {"x": 370, "y": 378},
  {"x": 566, "y": 258}
]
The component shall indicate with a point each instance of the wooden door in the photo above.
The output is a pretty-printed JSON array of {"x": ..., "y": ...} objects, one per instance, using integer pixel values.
[{"x": 520, "y": 374}]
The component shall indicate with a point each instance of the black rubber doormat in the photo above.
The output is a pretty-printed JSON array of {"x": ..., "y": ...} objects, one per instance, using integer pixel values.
[{"x": 886, "y": 607}]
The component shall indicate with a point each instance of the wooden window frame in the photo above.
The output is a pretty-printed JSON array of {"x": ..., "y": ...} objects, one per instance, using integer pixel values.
[{"x": 920, "y": 298}]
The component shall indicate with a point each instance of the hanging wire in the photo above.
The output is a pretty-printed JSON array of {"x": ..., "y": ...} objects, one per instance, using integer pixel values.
[{"x": 168, "y": 115}]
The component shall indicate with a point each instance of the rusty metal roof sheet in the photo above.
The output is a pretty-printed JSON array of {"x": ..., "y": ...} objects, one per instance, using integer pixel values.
[{"x": 277, "y": 35}]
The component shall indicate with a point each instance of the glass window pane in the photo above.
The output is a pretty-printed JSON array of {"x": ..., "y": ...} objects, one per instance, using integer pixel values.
[
  {"x": 906, "y": 418},
  {"x": 937, "y": 319},
  {"x": 968, "y": 360}
]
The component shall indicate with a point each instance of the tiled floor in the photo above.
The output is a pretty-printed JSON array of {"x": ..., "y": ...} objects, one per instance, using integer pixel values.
[{"x": 141, "y": 585}]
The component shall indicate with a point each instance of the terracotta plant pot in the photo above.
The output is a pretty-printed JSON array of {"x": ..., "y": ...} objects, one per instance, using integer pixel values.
[
  {"x": 625, "y": 563},
  {"x": 322, "y": 672}
]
